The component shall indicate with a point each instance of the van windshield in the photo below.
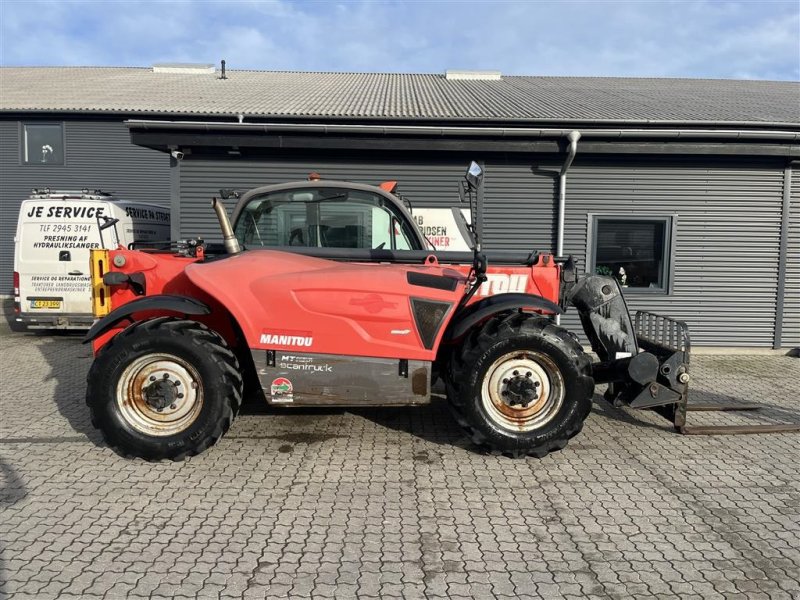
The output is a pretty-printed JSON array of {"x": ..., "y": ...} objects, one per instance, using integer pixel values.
[{"x": 323, "y": 218}]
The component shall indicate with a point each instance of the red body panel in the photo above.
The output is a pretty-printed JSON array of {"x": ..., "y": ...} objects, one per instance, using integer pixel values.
[
  {"x": 287, "y": 301},
  {"x": 540, "y": 280},
  {"x": 293, "y": 302},
  {"x": 165, "y": 273}
]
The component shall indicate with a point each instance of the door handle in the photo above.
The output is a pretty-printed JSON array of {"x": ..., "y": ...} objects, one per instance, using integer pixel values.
[{"x": 75, "y": 273}]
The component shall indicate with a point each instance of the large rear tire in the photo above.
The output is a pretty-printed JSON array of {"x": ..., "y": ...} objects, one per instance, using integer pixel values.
[
  {"x": 520, "y": 385},
  {"x": 164, "y": 389}
]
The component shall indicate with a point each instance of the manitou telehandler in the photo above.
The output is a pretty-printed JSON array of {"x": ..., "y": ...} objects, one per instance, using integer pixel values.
[{"x": 326, "y": 293}]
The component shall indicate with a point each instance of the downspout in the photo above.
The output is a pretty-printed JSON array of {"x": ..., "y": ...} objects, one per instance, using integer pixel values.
[{"x": 572, "y": 137}]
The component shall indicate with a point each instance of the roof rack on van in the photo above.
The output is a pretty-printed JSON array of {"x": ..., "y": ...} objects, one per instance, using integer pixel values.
[{"x": 84, "y": 194}]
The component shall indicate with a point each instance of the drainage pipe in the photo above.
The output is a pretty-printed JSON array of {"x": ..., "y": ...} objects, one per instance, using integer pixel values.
[{"x": 572, "y": 137}]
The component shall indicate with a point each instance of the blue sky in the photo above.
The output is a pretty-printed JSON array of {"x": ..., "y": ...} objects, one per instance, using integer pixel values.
[{"x": 750, "y": 40}]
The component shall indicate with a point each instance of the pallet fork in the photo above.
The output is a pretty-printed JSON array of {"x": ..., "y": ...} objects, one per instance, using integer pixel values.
[
  {"x": 645, "y": 360},
  {"x": 668, "y": 339}
]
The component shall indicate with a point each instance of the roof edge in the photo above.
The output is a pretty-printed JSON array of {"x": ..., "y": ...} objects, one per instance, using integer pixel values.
[
  {"x": 261, "y": 118},
  {"x": 448, "y": 131}
]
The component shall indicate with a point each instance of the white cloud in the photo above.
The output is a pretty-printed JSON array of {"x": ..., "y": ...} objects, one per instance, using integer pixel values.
[{"x": 676, "y": 39}]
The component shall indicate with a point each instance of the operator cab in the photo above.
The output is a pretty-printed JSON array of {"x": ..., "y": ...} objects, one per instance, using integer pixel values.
[{"x": 324, "y": 215}]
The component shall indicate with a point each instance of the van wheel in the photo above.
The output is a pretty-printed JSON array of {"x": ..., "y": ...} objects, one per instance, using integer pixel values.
[
  {"x": 164, "y": 389},
  {"x": 521, "y": 385}
]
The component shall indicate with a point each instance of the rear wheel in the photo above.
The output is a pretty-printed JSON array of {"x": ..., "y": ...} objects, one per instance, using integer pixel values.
[
  {"x": 520, "y": 385},
  {"x": 165, "y": 388}
]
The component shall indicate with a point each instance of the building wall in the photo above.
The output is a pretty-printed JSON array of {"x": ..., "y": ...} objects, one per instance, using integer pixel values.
[
  {"x": 99, "y": 155},
  {"x": 728, "y": 214},
  {"x": 791, "y": 307},
  {"x": 519, "y": 208},
  {"x": 726, "y": 250}
]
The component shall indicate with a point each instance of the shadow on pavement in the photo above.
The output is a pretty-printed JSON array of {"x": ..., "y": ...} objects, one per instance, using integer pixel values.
[
  {"x": 7, "y": 308},
  {"x": 432, "y": 422},
  {"x": 605, "y": 410},
  {"x": 69, "y": 362},
  {"x": 12, "y": 490},
  {"x": 767, "y": 410},
  {"x": 767, "y": 413},
  {"x": 429, "y": 422}
]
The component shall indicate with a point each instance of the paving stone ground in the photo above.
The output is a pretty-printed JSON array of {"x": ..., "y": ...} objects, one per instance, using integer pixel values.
[{"x": 396, "y": 503}]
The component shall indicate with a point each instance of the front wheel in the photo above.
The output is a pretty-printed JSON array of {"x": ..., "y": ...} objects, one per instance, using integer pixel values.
[
  {"x": 164, "y": 389},
  {"x": 521, "y": 385}
]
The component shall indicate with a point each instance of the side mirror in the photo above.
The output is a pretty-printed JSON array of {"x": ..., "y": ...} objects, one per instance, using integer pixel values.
[{"x": 474, "y": 175}]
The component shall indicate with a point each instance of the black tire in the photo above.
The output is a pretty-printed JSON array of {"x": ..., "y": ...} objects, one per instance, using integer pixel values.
[
  {"x": 549, "y": 356},
  {"x": 196, "y": 356}
]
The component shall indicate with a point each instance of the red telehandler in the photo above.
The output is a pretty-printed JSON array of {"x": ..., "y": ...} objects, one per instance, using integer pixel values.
[{"x": 326, "y": 293}]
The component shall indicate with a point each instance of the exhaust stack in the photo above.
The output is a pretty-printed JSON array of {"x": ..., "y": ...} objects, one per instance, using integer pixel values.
[{"x": 231, "y": 243}]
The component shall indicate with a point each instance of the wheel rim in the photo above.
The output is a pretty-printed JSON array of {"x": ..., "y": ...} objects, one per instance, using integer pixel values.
[
  {"x": 160, "y": 394},
  {"x": 522, "y": 391}
]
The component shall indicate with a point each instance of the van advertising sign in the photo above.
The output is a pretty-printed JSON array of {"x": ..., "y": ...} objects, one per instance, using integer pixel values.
[
  {"x": 66, "y": 236},
  {"x": 65, "y": 212},
  {"x": 146, "y": 224},
  {"x": 54, "y": 237}
]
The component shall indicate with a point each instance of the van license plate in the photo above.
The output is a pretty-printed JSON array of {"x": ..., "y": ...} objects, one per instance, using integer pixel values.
[{"x": 45, "y": 304}]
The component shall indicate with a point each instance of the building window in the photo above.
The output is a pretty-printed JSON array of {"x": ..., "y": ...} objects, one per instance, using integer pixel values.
[
  {"x": 636, "y": 251},
  {"x": 43, "y": 144}
]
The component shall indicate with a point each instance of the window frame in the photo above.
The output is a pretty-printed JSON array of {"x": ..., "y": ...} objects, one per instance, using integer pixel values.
[
  {"x": 23, "y": 145},
  {"x": 670, "y": 221}
]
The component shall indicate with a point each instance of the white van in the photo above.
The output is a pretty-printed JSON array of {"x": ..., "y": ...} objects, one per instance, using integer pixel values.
[{"x": 55, "y": 231}]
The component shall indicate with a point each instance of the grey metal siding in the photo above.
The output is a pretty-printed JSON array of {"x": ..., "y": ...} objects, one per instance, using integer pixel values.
[
  {"x": 791, "y": 307},
  {"x": 727, "y": 241},
  {"x": 426, "y": 184},
  {"x": 99, "y": 155},
  {"x": 519, "y": 210}
]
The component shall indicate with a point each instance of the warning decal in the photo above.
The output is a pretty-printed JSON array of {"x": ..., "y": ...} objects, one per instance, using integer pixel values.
[{"x": 281, "y": 390}]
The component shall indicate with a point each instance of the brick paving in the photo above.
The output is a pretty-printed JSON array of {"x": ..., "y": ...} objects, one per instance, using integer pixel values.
[{"x": 395, "y": 503}]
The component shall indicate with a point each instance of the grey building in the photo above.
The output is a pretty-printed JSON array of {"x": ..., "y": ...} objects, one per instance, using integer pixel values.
[{"x": 692, "y": 186}]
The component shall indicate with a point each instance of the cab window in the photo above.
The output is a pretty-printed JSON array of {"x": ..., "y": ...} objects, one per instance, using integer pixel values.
[{"x": 324, "y": 218}]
